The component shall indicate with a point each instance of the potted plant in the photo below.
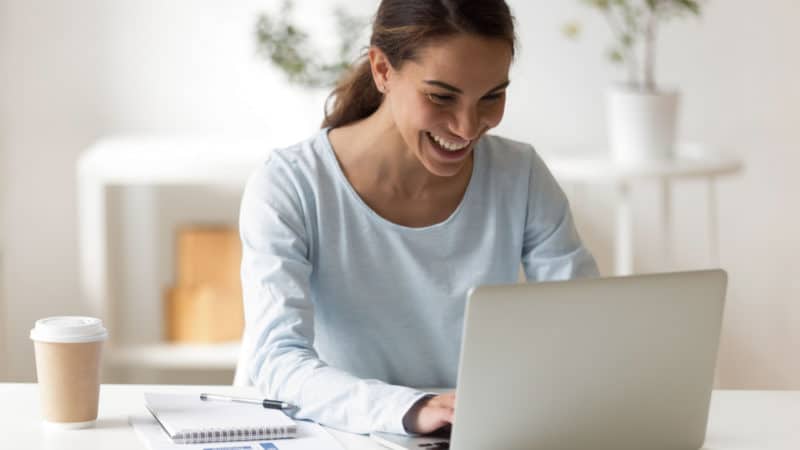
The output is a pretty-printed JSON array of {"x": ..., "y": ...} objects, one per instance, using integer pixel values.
[
  {"x": 291, "y": 50},
  {"x": 642, "y": 116}
]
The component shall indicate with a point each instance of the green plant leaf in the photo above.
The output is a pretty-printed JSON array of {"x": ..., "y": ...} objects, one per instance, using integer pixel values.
[
  {"x": 616, "y": 56},
  {"x": 627, "y": 40},
  {"x": 599, "y": 4},
  {"x": 691, "y": 5}
]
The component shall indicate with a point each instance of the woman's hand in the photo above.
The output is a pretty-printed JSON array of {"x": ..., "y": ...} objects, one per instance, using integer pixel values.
[{"x": 430, "y": 413}]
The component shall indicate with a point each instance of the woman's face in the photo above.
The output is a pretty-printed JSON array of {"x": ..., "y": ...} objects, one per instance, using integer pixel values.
[{"x": 448, "y": 97}]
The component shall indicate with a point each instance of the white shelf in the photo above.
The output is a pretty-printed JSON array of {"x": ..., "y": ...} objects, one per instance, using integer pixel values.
[
  {"x": 692, "y": 160},
  {"x": 154, "y": 161},
  {"x": 157, "y": 160},
  {"x": 176, "y": 356}
]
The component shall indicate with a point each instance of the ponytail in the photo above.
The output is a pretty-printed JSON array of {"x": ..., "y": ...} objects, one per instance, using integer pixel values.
[{"x": 354, "y": 97}]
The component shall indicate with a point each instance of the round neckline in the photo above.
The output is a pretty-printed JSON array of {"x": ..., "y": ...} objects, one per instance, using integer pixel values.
[{"x": 371, "y": 212}]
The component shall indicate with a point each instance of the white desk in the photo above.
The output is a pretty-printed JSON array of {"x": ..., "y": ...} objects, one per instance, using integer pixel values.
[{"x": 739, "y": 420}]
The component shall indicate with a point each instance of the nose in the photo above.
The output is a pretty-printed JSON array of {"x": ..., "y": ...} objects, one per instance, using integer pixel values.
[{"x": 467, "y": 124}]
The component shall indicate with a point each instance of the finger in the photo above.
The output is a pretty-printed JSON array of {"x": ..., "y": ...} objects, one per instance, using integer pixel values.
[
  {"x": 446, "y": 415},
  {"x": 434, "y": 419},
  {"x": 448, "y": 401},
  {"x": 448, "y": 396}
]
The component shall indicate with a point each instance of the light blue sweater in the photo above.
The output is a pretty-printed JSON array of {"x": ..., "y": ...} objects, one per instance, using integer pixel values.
[{"x": 348, "y": 314}]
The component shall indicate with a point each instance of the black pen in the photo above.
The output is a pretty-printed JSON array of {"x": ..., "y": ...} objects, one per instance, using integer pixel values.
[{"x": 271, "y": 404}]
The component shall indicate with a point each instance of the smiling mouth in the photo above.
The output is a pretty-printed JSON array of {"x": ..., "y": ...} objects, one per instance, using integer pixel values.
[
  {"x": 448, "y": 154},
  {"x": 445, "y": 145}
]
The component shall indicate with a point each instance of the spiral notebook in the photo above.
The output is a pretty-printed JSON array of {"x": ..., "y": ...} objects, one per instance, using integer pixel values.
[{"x": 188, "y": 420}]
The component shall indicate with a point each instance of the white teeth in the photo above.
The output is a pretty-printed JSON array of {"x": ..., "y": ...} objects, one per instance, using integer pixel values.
[{"x": 451, "y": 146}]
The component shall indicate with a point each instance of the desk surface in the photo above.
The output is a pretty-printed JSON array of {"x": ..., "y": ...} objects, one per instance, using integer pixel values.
[{"x": 739, "y": 420}]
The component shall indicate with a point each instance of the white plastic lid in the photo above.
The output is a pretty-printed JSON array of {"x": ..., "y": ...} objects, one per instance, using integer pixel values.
[{"x": 69, "y": 329}]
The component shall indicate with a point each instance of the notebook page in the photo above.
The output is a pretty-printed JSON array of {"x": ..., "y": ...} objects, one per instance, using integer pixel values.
[{"x": 184, "y": 412}]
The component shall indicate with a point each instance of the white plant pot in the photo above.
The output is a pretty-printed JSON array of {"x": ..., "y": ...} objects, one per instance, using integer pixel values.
[{"x": 641, "y": 125}]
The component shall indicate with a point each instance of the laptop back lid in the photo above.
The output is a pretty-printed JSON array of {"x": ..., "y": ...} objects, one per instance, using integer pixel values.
[{"x": 606, "y": 363}]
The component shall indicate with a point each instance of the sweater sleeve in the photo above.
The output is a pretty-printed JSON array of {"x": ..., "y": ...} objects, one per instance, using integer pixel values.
[
  {"x": 552, "y": 249},
  {"x": 279, "y": 316}
]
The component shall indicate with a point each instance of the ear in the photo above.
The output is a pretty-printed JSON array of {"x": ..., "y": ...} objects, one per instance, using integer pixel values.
[{"x": 381, "y": 68}]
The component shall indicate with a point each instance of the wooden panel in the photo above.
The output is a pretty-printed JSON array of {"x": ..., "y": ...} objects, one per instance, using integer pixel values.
[
  {"x": 209, "y": 255},
  {"x": 206, "y": 303}
]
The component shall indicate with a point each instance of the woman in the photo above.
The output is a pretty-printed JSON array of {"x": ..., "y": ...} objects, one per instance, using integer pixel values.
[{"x": 360, "y": 243}]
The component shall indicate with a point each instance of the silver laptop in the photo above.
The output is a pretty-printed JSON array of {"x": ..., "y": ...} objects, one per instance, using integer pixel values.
[{"x": 603, "y": 364}]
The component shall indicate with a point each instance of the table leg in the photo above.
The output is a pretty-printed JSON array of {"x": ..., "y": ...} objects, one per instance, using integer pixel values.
[
  {"x": 138, "y": 242},
  {"x": 623, "y": 239},
  {"x": 713, "y": 223},
  {"x": 92, "y": 244},
  {"x": 666, "y": 224},
  {"x": 4, "y": 350}
]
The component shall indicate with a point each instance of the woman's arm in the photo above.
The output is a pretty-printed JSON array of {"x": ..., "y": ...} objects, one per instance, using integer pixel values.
[
  {"x": 279, "y": 316},
  {"x": 552, "y": 249}
]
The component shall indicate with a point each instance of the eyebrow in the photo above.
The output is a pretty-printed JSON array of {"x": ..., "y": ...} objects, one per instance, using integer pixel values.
[{"x": 452, "y": 88}]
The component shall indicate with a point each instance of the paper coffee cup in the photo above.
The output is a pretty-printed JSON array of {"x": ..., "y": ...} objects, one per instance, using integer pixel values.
[{"x": 67, "y": 350}]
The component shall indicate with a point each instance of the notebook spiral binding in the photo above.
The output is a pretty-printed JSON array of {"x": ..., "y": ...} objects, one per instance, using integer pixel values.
[{"x": 229, "y": 435}]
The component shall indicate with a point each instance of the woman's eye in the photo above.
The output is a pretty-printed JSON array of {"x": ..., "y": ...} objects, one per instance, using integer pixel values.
[
  {"x": 444, "y": 99},
  {"x": 440, "y": 99},
  {"x": 492, "y": 97}
]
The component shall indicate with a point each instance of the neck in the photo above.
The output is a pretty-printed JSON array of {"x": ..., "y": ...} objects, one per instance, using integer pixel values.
[{"x": 373, "y": 153}]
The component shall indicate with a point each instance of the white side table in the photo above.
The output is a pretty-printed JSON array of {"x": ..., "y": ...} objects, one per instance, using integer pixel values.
[{"x": 693, "y": 161}]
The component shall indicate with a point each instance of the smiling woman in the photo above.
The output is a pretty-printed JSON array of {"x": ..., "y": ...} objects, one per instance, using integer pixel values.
[{"x": 360, "y": 243}]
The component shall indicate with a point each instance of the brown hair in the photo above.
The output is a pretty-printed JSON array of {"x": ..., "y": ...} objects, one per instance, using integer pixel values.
[{"x": 400, "y": 29}]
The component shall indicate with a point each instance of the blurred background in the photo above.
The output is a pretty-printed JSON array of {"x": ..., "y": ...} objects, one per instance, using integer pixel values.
[{"x": 102, "y": 100}]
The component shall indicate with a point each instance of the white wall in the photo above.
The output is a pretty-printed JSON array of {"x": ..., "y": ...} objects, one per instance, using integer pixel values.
[
  {"x": 53, "y": 111},
  {"x": 74, "y": 71},
  {"x": 4, "y": 110}
]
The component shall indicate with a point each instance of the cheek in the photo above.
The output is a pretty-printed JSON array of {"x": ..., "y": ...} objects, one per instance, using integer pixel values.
[
  {"x": 423, "y": 115},
  {"x": 495, "y": 114}
]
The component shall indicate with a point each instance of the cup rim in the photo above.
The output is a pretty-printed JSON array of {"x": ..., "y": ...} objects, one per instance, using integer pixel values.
[{"x": 69, "y": 329}]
